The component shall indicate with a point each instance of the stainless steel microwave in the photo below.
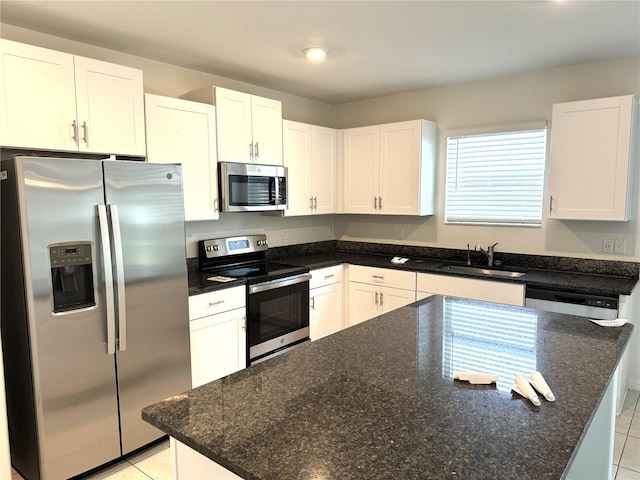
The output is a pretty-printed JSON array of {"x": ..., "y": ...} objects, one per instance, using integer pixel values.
[{"x": 247, "y": 187}]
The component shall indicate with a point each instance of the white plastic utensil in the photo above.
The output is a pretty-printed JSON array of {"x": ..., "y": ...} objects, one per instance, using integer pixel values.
[
  {"x": 540, "y": 384},
  {"x": 475, "y": 378},
  {"x": 522, "y": 387}
]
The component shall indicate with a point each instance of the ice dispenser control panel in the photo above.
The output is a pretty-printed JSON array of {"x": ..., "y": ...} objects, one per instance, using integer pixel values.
[{"x": 71, "y": 276}]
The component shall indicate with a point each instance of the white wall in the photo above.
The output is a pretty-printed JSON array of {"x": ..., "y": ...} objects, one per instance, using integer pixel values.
[{"x": 503, "y": 101}]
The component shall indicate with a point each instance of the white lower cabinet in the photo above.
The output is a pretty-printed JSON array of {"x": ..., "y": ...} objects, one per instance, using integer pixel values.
[
  {"x": 476, "y": 289},
  {"x": 191, "y": 465},
  {"x": 325, "y": 302},
  {"x": 374, "y": 291},
  {"x": 217, "y": 322}
]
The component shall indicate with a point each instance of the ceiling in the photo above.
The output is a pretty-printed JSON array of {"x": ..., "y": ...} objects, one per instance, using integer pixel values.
[{"x": 374, "y": 48}]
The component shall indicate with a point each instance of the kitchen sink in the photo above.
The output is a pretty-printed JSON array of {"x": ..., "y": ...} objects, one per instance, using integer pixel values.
[{"x": 480, "y": 271}]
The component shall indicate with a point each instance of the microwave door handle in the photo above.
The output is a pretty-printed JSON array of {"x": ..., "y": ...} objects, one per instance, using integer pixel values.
[
  {"x": 108, "y": 278},
  {"x": 122, "y": 310}
]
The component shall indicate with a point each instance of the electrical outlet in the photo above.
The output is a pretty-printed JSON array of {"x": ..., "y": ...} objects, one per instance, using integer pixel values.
[
  {"x": 619, "y": 245},
  {"x": 285, "y": 233},
  {"x": 398, "y": 233},
  {"x": 607, "y": 245}
]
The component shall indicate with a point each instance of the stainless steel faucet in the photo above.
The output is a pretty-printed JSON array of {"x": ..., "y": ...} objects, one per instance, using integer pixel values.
[{"x": 487, "y": 253}]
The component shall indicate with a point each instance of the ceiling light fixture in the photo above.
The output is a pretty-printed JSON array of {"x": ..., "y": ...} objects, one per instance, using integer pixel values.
[{"x": 315, "y": 53}]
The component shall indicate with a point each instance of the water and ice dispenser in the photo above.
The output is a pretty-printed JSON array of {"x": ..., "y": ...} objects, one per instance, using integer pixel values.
[{"x": 71, "y": 276}]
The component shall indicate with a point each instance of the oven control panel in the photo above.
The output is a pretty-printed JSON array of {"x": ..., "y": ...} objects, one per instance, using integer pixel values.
[{"x": 222, "y": 247}]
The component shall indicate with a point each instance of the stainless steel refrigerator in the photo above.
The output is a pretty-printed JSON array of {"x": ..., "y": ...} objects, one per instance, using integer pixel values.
[{"x": 94, "y": 305}]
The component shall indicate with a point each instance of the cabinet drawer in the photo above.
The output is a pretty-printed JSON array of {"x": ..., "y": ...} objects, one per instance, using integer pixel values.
[
  {"x": 383, "y": 276},
  {"x": 325, "y": 276},
  {"x": 216, "y": 302}
]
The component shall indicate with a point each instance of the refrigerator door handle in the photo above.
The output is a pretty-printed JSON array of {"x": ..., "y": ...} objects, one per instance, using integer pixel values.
[
  {"x": 108, "y": 279},
  {"x": 117, "y": 247}
]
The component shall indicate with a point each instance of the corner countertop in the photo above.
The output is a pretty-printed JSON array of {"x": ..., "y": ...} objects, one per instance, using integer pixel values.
[
  {"x": 377, "y": 400},
  {"x": 570, "y": 281},
  {"x": 571, "y": 278}
]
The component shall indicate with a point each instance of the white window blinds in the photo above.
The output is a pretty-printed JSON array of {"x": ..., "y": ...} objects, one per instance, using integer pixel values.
[{"x": 496, "y": 178}]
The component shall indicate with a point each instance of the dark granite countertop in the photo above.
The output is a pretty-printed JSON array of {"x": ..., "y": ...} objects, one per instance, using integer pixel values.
[
  {"x": 570, "y": 274},
  {"x": 199, "y": 284},
  {"x": 571, "y": 281},
  {"x": 377, "y": 400}
]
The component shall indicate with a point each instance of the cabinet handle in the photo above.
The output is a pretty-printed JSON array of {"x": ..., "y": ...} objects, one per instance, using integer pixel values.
[
  {"x": 215, "y": 205},
  {"x": 381, "y": 298},
  {"x": 329, "y": 276},
  {"x": 315, "y": 202},
  {"x": 251, "y": 150},
  {"x": 257, "y": 153},
  {"x": 379, "y": 277},
  {"x": 375, "y": 203},
  {"x": 313, "y": 303},
  {"x": 310, "y": 202},
  {"x": 75, "y": 132},
  {"x": 85, "y": 129},
  {"x": 380, "y": 203},
  {"x": 213, "y": 304},
  {"x": 550, "y": 203},
  {"x": 244, "y": 323},
  {"x": 376, "y": 298}
]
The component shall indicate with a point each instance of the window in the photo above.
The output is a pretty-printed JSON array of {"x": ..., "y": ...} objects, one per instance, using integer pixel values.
[{"x": 496, "y": 178}]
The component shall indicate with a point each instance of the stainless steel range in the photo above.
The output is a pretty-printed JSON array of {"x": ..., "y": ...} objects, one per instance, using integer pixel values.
[{"x": 277, "y": 294}]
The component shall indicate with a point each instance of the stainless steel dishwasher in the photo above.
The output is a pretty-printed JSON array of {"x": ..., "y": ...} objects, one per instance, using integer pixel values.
[{"x": 598, "y": 307}]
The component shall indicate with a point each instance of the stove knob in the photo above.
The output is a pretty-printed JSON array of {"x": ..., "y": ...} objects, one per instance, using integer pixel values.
[
  {"x": 209, "y": 248},
  {"x": 216, "y": 248}
]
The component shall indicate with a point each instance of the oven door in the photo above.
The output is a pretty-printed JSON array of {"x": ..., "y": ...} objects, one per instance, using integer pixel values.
[{"x": 277, "y": 314}]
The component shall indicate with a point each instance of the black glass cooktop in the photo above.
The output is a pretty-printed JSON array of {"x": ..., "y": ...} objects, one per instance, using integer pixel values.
[{"x": 257, "y": 272}]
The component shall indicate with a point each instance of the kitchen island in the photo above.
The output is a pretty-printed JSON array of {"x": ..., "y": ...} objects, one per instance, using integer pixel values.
[{"x": 378, "y": 400}]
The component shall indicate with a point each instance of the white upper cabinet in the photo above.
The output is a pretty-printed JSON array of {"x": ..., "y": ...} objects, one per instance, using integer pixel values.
[
  {"x": 57, "y": 101},
  {"x": 592, "y": 153},
  {"x": 310, "y": 157},
  {"x": 249, "y": 127},
  {"x": 180, "y": 131},
  {"x": 390, "y": 169}
]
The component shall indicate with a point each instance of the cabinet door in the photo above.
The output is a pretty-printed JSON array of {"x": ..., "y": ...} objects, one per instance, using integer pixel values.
[
  {"x": 266, "y": 128},
  {"x": 325, "y": 310},
  {"x": 297, "y": 138},
  {"x": 183, "y": 131},
  {"x": 218, "y": 346},
  {"x": 363, "y": 302},
  {"x": 233, "y": 119},
  {"x": 323, "y": 169},
  {"x": 400, "y": 168},
  {"x": 486, "y": 290},
  {"x": 393, "y": 298},
  {"x": 38, "y": 104},
  {"x": 361, "y": 169},
  {"x": 589, "y": 165},
  {"x": 110, "y": 107}
]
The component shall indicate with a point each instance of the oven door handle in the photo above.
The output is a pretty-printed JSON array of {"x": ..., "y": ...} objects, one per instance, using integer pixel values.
[{"x": 281, "y": 282}]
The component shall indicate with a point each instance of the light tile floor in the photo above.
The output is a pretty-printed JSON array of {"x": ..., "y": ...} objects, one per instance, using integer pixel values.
[
  {"x": 151, "y": 464},
  {"x": 626, "y": 446},
  {"x": 155, "y": 463}
]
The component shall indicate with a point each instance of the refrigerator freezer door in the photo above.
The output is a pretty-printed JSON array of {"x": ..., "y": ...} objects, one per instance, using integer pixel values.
[
  {"x": 156, "y": 361},
  {"x": 74, "y": 378}
]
